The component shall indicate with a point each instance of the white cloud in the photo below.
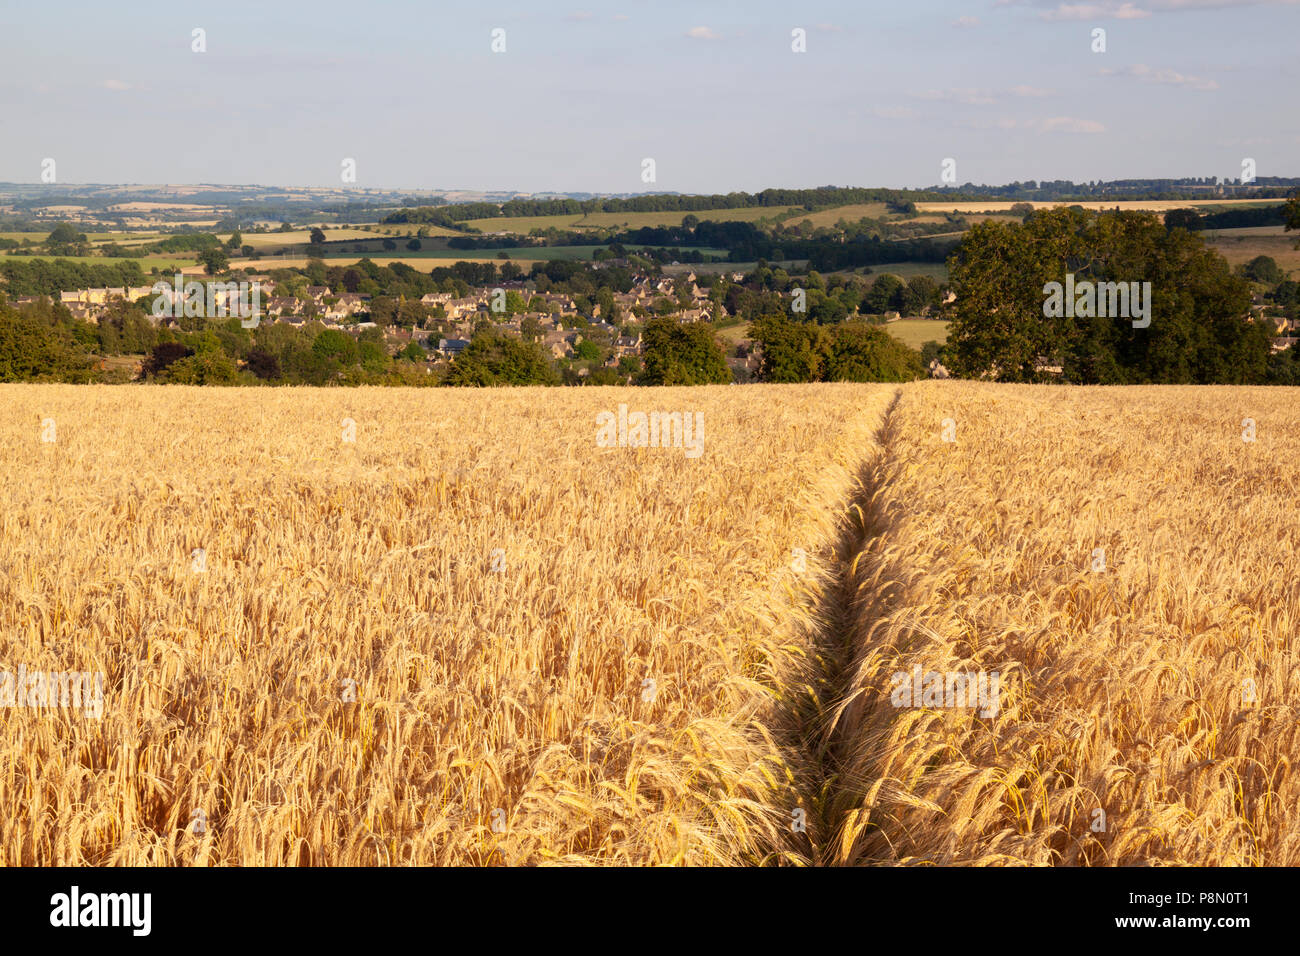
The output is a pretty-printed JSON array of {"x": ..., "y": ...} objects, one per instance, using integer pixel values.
[
  {"x": 1096, "y": 11},
  {"x": 1002, "y": 122},
  {"x": 965, "y": 96},
  {"x": 118, "y": 85},
  {"x": 1148, "y": 74},
  {"x": 702, "y": 33},
  {"x": 1130, "y": 10},
  {"x": 969, "y": 96},
  {"x": 966, "y": 22},
  {"x": 1055, "y": 124},
  {"x": 1177, "y": 5},
  {"x": 1069, "y": 124},
  {"x": 893, "y": 112}
]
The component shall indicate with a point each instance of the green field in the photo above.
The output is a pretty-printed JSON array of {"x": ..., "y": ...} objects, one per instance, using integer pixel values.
[
  {"x": 127, "y": 238},
  {"x": 1240, "y": 231},
  {"x": 733, "y": 335},
  {"x": 259, "y": 240},
  {"x": 829, "y": 217},
  {"x": 916, "y": 332},
  {"x": 911, "y": 332},
  {"x": 713, "y": 268},
  {"x": 1238, "y": 249},
  {"x": 422, "y": 264},
  {"x": 905, "y": 270},
  {"x": 519, "y": 254},
  {"x": 426, "y": 259},
  {"x": 631, "y": 220},
  {"x": 409, "y": 229},
  {"x": 164, "y": 263}
]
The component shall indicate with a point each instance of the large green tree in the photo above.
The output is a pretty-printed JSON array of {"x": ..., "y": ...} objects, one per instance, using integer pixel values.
[
  {"x": 682, "y": 353},
  {"x": 65, "y": 240},
  {"x": 1198, "y": 332},
  {"x": 885, "y": 294},
  {"x": 496, "y": 359},
  {"x": 214, "y": 260},
  {"x": 789, "y": 351},
  {"x": 861, "y": 352},
  {"x": 31, "y": 350},
  {"x": 852, "y": 351}
]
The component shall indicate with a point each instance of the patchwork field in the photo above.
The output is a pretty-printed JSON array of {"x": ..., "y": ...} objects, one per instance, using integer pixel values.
[
  {"x": 522, "y": 256},
  {"x": 1140, "y": 205},
  {"x": 260, "y": 240},
  {"x": 392, "y": 627},
  {"x": 170, "y": 262},
  {"x": 415, "y": 260},
  {"x": 851, "y": 213},
  {"x": 630, "y": 220}
]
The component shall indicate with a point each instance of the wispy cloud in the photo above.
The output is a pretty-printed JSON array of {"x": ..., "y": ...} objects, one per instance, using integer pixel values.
[
  {"x": 580, "y": 15},
  {"x": 1130, "y": 10},
  {"x": 1096, "y": 11},
  {"x": 702, "y": 33},
  {"x": 1001, "y": 122},
  {"x": 1148, "y": 74},
  {"x": 1055, "y": 124},
  {"x": 1178, "y": 5},
  {"x": 117, "y": 85},
  {"x": 1069, "y": 124},
  {"x": 970, "y": 96},
  {"x": 965, "y": 96},
  {"x": 966, "y": 22},
  {"x": 893, "y": 112}
]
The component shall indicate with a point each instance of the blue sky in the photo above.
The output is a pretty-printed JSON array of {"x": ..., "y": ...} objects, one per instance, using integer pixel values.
[{"x": 585, "y": 90}]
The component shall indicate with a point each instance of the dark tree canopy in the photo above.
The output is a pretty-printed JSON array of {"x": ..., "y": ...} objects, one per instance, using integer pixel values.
[
  {"x": 679, "y": 353},
  {"x": 852, "y": 351},
  {"x": 1199, "y": 329},
  {"x": 495, "y": 359}
]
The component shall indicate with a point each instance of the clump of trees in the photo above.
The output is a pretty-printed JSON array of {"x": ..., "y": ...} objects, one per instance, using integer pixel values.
[
  {"x": 1199, "y": 332},
  {"x": 35, "y": 350},
  {"x": 496, "y": 359},
  {"x": 851, "y": 351},
  {"x": 682, "y": 354}
]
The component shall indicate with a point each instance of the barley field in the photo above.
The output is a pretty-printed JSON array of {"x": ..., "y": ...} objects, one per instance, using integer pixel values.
[
  {"x": 558, "y": 652},
  {"x": 1123, "y": 558},
  {"x": 387, "y": 627}
]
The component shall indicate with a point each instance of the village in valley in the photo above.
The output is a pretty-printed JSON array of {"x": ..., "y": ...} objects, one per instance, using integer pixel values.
[
  {"x": 267, "y": 286},
  {"x": 447, "y": 322}
]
